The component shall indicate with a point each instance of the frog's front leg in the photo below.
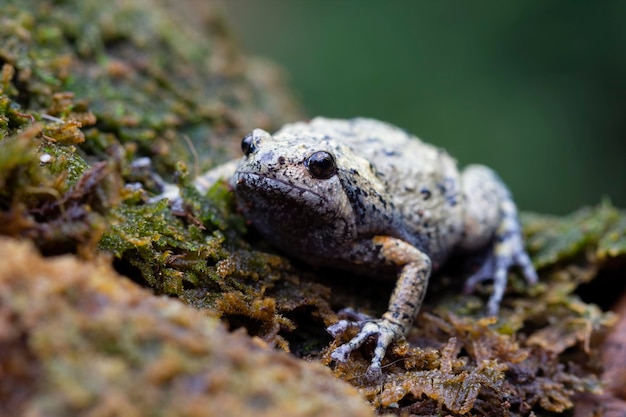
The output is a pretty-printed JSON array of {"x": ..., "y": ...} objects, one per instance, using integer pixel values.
[
  {"x": 404, "y": 304},
  {"x": 491, "y": 220}
]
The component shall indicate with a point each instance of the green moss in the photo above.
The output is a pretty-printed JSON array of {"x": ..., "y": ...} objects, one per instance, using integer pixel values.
[
  {"x": 557, "y": 239},
  {"x": 165, "y": 251},
  {"x": 64, "y": 161}
]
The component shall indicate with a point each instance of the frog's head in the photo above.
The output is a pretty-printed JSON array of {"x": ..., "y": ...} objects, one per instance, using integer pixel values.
[{"x": 293, "y": 189}]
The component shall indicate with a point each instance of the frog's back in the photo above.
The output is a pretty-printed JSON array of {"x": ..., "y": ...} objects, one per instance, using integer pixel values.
[{"x": 421, "y": 180}]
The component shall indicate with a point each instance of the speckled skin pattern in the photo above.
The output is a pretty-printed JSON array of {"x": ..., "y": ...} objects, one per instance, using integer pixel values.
[{"x": 365, "y": 196}]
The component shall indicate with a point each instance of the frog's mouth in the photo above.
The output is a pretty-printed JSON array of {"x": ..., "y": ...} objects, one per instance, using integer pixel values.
[
  {"x": 262, "y": 184},
  {"x": 296, "y": 219}
]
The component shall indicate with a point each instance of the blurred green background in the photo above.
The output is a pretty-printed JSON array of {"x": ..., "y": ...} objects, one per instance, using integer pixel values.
[{"x": 534, "y": 89}]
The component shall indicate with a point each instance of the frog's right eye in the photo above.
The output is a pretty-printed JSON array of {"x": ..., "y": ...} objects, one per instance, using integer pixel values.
[
  {"x": 321, "y": 165},
  {"x": 248, "y": 144}
]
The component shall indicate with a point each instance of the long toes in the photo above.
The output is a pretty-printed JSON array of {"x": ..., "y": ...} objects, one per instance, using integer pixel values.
[
  {"x": 342, "y": 353},
  {"x": 385, "y": 338},
  {"x": 374, "y": 374},
  {"x": 339, "y": 328},
  {"x": 485, "y": 273},
  {"x": 499, "y": 286},
  {"x": 523, "y": 260},
  {"x": 470, "y": 283}
]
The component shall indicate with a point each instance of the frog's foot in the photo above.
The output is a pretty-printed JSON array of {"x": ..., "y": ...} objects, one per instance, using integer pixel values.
[
  {"x": 385, "y": 332},
  {"x": 506, "y": 253}
]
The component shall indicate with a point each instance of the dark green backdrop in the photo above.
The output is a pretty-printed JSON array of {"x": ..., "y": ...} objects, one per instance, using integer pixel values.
[{"x": 535, "y": 89}]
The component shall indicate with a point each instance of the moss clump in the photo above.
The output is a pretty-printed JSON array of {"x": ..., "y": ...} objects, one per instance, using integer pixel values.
[{"x": 84, "y": 82}]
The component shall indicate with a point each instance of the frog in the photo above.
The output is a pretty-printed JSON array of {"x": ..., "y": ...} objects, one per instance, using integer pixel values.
[{"x": 364, "y": 196}]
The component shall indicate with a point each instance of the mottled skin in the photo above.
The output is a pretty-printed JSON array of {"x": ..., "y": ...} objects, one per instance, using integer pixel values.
[{"x": 365, "y": 196}]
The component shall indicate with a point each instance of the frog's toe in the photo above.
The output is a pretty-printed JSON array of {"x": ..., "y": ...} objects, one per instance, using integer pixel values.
[
  {"x": 496, "y": 268},
  {"x": 485, "y": 273},
  {"x": 350, "y": 319},
  {"x": 342, "y": 326},
  {"x": 385, "y": 332},
  {"x": 342, "y": 353},
  {"x": 499, "y": 286},
  {"x": 523, "y": 261},
  {"x": 374, "y": 374}
]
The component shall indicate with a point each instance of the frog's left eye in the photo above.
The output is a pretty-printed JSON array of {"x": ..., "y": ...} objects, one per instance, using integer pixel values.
[
  {"x": 248, "y": 144},
  {"x": 321, "y": 165}
]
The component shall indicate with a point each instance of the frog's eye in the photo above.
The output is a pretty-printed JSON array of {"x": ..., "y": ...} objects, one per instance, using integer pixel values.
[
  {"x": 321, "y": 165},
  {"x": 248, "y": 144}
]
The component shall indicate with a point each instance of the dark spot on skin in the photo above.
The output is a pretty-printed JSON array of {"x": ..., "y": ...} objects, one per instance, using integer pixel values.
[{"x": 281, "y": 160}]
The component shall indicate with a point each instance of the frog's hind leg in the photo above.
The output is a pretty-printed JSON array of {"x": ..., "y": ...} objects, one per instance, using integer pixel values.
[{"x": 490, "y": 220}]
